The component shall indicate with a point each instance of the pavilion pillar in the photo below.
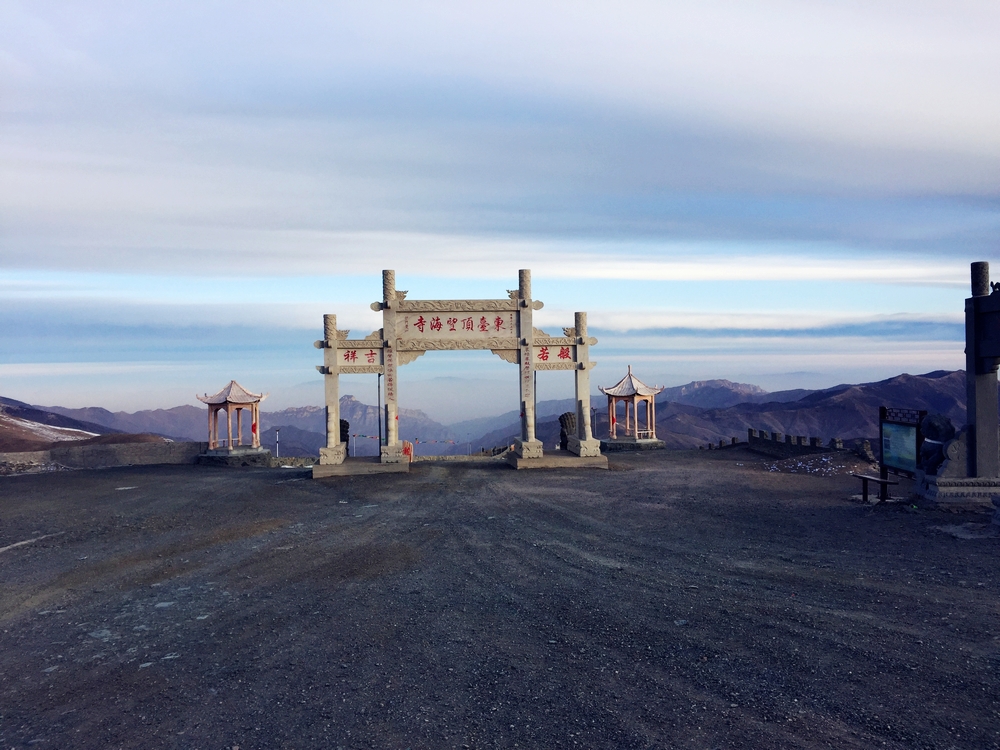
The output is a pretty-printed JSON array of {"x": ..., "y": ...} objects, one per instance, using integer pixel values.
[
  {"x": 527, "y": 446},
  {"x": 211, "y": 432},
  {"x": 583, "y": 443},
  {"x": 229, "y": 427},
  {"x": 239, "y": 425},
  {"x": 255, "y": 425}
]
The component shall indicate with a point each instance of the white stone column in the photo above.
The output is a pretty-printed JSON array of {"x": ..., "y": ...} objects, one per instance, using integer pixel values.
[
  {"x": 583, "y": 443},
  {"x": 335, "y": 452},
  {"x": 392, "y": 451},
  {"x": 527, "y": 446},
  {"x": 229, "y": 427}
]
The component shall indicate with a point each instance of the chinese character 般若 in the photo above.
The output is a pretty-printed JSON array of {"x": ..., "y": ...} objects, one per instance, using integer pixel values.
[
  {"x": 543, "y": 353},
  {"x": 564, "y": 353}
]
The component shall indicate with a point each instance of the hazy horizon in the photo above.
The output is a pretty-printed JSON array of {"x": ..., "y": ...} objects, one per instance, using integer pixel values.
[{"x": 779, "y": 194}]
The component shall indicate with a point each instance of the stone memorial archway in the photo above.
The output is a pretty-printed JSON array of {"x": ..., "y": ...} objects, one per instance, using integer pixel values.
[{"x": 410, "y": 328}]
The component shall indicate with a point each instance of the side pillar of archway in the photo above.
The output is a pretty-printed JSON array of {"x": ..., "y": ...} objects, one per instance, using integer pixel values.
[
  {"x": 392, "y": 451},
  {"x": 583, "y": 444},
  {"x": 335, "y": 451},
  {"x": 528, "y": 446}
]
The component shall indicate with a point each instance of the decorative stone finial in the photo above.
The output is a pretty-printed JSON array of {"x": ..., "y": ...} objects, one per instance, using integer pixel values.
[
  {"x": 524, "y": 283},
  {"x": 581, "y": 324},
  {"x": 388, "y": 285},
  {"x": 980, "y": 279},
  {"x": 330, "y": 327}
]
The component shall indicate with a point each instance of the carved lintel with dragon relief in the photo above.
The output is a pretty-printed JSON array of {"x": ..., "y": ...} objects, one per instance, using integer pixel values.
[{"x": 412, "y": 345}]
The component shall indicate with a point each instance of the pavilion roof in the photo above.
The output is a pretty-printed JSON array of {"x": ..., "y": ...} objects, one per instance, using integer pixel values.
[
  {"x": 234, "y": 393},
  {"x": 630, "y": 385}
]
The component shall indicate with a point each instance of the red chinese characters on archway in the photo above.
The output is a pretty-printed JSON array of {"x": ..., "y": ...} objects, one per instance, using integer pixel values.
[{"x": 460, "y": 325}]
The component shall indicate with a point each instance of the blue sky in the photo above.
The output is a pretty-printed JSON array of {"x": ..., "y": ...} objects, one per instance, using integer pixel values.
[{"x": 781, "y": 193}]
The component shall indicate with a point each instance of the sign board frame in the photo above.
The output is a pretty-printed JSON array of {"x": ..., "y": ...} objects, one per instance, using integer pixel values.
[{"x": 899, "y": 423}]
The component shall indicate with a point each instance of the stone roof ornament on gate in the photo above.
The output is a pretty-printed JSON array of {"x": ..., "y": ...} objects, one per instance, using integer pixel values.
[{"x": 410, "y": 328}]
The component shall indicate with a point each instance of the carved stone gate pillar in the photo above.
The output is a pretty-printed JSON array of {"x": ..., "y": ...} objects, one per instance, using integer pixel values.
[
  {"x": 527, "y": 446},
  {"x": 335, "y": 451},
  {"x": 392, "y": 451},
  {"x": 583, "y": 443}
]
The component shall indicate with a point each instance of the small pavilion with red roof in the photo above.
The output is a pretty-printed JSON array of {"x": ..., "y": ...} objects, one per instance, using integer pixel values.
[
  {"x": 631, "y": 391},
  {"x": 233, "y": 397}
]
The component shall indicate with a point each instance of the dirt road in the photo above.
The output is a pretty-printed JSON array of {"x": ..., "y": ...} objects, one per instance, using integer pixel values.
[{"x": 685, "y": 599}]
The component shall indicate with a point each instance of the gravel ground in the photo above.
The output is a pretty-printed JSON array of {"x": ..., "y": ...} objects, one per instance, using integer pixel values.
[{"x": 685, "y": 599}]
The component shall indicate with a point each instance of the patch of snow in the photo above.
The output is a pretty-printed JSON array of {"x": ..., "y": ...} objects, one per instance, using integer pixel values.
[{"x": 47, "y": 431}]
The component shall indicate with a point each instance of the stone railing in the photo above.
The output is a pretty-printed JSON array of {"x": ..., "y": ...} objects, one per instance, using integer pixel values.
[{"x": 782, "y": 446}]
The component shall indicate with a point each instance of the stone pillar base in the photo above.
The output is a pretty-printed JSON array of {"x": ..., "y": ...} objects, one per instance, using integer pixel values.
[
  {"x": 393, "y": 454},
  {"x": 583, "y": 448},
  {"x": 528, "y": 448},
  {"x": 334, "y": 455},
  {"x": 969, "y": 493}
]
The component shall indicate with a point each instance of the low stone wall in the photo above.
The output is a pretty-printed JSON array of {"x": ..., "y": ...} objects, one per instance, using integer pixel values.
[
  {"x": 126, "y": 454},
  {"x": 25, "y": 457},
  {"x": 777, "y": 445},
  {"x": 461, "y": 457},
  {"x": 99, "y": 456}
]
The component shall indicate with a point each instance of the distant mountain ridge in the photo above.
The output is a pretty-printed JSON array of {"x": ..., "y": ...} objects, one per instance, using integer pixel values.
[
  {"x": 687, "y": 416},
  {"x": 844, "y": 411},
  {"x": 27, "y": 428},
  {"x": 52, "y": 417},
  {"x": 710, "y": 394}
]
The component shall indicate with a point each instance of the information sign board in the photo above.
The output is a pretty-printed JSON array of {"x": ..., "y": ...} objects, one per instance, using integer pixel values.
[{"x": 899, "y": 439}]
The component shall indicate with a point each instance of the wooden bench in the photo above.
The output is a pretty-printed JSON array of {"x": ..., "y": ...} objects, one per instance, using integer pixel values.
[{"x": 883, "y": 489}]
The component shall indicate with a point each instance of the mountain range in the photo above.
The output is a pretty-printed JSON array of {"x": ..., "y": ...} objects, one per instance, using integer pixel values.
[{"x": 687, "y": 416}]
